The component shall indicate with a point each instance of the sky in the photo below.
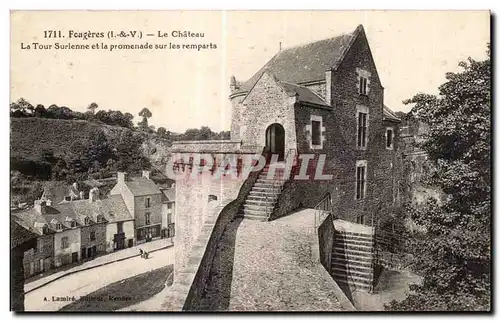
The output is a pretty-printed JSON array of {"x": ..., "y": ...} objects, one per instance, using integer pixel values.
[{"x": 188, "y": 88}]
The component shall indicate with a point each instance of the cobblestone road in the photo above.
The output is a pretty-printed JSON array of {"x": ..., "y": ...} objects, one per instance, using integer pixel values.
[{"x": 268, "y": 266}]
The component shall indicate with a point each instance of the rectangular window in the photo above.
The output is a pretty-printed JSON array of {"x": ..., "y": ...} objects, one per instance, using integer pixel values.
[
  {"x": 169, "y": 205},
  {"x": 363, "y": 83},
  {"x": 389, "y": 138},
  {"x": 147, "y": 202},
  {"x": 64, "y": 242},
  {"x": 360, "y": 180},
  {"x": 316, "y": 132},
  {"x": 362, "y": 129},
  {"x": 40, "y": 245},
  {"x": 360, "y": 219},
  {"x": 119, "y": 226},
  {"x": 92, "y": 235},
  {"x": 148, "y": 218},
  {"x": 169, "y": 218}
]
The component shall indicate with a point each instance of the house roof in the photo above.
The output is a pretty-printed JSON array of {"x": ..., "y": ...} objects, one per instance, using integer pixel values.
[
  {"x": 19, "y": 234},
  {"x": 168, "y": 195},
  {"x": 140, "y": 186},
  {"x": 304, "y": 94},
  {"x": 113, "y": 209},
  {"x": 389, "y": 115},
  {"x": 305, "y": 63}
]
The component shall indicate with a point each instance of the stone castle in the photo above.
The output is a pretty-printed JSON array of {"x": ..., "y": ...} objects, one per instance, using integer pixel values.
[{"x": 316, "y": 114}]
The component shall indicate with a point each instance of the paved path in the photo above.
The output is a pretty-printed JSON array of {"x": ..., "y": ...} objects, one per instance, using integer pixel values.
[
  {"x": 84, "y": 282},
  {"x": 268, "y": 266},
  {"x": 119, "y": 255}
]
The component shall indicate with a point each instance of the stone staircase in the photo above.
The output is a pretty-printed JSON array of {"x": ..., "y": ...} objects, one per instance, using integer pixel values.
[
  {"x": 352, "y": 258},
  {"x": 263, "y": 196}
]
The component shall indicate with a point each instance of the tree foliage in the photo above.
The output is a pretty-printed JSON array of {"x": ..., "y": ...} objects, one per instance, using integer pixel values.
[{"x": 453, "y": 254}]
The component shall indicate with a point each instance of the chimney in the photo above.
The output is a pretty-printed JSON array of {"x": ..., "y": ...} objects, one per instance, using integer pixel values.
[
  {"x": 145, "y": 174},
  {"x": 121, "y": 177},
  {"x": 280, "y": 45},
  {"x": 82, "y": 195},
  {"x": 40, "y": 206},
  {"x": 328, "y": 84},
  {"x": 75, "y": 186},
  {"x": 49, "y": 203},
  {"x": 93, "y": 194},
  {"x": 233, "y": 84}
]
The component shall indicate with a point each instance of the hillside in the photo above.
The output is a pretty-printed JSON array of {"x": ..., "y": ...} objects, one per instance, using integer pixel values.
[{"x": 29, "y": 137}]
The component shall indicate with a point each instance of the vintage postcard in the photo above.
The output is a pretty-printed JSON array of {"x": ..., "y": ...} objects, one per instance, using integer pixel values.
[{"x": 250, "y": 161}]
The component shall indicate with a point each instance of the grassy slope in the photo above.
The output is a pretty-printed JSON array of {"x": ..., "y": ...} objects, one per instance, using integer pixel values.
[
  {"x": 130, "y": 291},
  {"x": 30, "y": 136}
]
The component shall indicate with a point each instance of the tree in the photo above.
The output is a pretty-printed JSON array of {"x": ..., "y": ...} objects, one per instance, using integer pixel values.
[
  {"x": 40, "y": 111},
  {"x": 145, "y": 114},
  {"x": 161, "y": 131},
  {"x": 453, "y": 251},
  {"x": 92, "y": 107}
]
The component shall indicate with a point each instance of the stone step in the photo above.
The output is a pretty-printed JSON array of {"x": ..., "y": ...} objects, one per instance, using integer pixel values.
[
  {"x": 267, "y": 184},
  {"x": 353, "y": 241},
  {"x": 351, "y": 267},
  {"x": 262, "y": 218},
  {"x": 263, "y": 193},
  {"x": 353, "y": 261},
  {"x": 250, "y": 211},
  {"x": 258, "y": 208},
  {"x": 268, "y": 180},
  {"x": 260, "y": 202},
  {"x": 359, "y": 274},
  {"x": 354, "y": 247},
  {"x": 264, "y": 189},
  {"x": 337, "y": 275},
  {"x": 355, "y": 234},
  {"x": 357, "y": 285},
  {"x": 348, "y": 253},
  {"x": 262, "y": 197}
]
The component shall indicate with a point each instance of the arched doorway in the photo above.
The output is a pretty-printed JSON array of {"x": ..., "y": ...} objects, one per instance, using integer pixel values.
[{"x": 275, "y": 140}]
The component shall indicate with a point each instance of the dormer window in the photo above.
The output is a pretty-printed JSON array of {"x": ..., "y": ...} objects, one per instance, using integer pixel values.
[
  {"x": 59, "y": 227},
  {"x": 45, "y": 229},
  {"x": 87, "y": 221},
  {"x": 73, "y": 224}
]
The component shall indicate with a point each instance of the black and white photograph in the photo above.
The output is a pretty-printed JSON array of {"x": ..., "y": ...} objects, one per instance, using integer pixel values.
[{"x": 250, "y": 161}]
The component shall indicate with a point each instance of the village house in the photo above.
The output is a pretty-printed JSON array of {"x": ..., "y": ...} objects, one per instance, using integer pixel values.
[
  {"x": 143, "y": 200},
  {"x": 75, "y": 230},
  {"x": 40, "y": 258},
  {"x": 168, "y": 212}
]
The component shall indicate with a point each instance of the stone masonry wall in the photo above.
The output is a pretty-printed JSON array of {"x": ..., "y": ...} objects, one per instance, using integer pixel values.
[
  {"x": 228, "y": 214},
  {"x": 266, "y": 104},
  {"x": 319, "y": 88},
  {"x": 100, "y": 237},
  {"x": 326, "y": 236},
  {"x": 192, "y": 207},
  {"x": 340, "y": 142}
]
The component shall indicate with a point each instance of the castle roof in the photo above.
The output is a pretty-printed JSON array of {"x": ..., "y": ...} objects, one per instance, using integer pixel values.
[
  {"x": 305, "y": 63},
  {"x": 390, "y": 115}
]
